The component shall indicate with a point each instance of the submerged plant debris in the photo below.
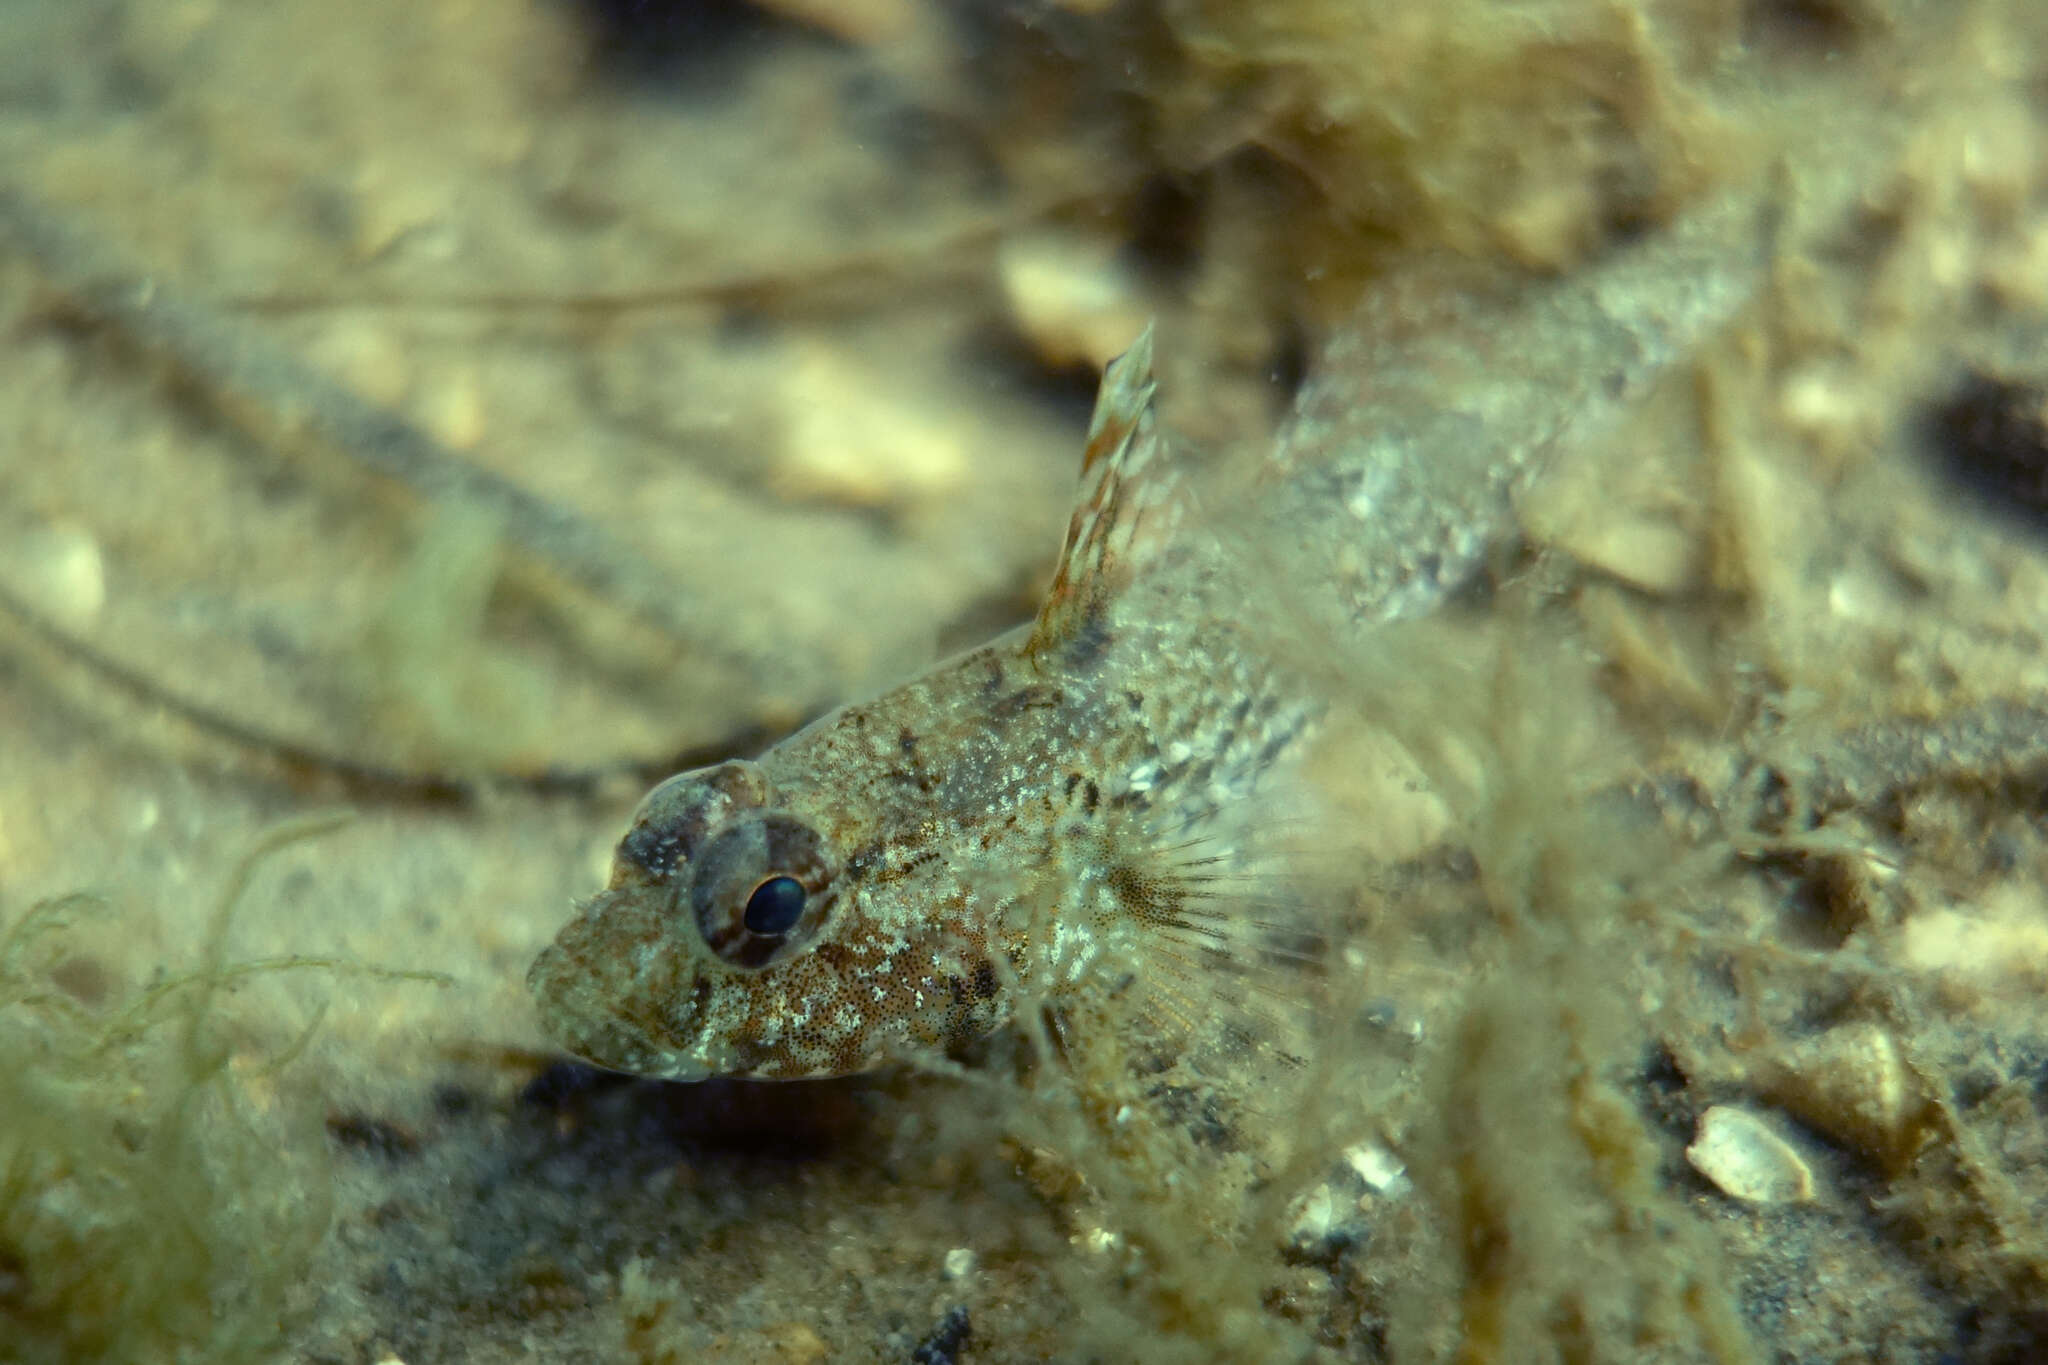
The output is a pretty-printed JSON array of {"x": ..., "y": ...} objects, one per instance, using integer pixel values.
[
  {"x": 155, "y": 1202},
  {"x": 474, "y": 413}
]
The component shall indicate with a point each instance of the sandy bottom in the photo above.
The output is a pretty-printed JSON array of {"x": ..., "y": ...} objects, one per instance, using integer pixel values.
[{"x": 1687, "y": 880}]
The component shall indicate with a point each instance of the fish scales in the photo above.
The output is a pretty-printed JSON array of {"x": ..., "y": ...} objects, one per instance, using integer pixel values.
[{"x": 1050, "y": 814}]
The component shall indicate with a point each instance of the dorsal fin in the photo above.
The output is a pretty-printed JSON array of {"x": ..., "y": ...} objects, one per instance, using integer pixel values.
[{"x": 1116, "y": 491}]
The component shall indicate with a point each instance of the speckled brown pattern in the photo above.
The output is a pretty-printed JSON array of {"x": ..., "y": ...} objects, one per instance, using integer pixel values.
[{"x": 1041, "y": 817}]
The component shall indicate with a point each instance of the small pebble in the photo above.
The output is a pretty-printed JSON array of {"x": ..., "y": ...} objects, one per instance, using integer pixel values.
[
  {"x": 393, "y": 201},
  {"x": 1851, "y": 1084},
  {"x": 1379, "y": 1168},
  {"x": 852, "y": 436},
  {"x": 64, "y": 575},
  {"x": 1071, "y": 297},
  {"x": 1332, "y": 1216},
  {"x": 454, "y": 411},
  {"x": 367, "y": 358},
  {"x": 1646, "y": 551},
  {"x": 1618, "y": 514},
  {"x": 1101, "y": 1241},
  {"x": 959, "y": 1263},
  {"x": 1997, "y": 944},
  {"x": 1747, "y": 1160},
  {"x": 1828, "y": 405},
  {"x": 1315, "y": 1213},
  {"x": 1552, "y": 227}
]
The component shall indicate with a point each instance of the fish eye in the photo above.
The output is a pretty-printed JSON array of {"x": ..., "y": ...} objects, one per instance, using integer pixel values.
[
  {"x": 775, "y": 907},
  {"x": 760, "y": 888}
]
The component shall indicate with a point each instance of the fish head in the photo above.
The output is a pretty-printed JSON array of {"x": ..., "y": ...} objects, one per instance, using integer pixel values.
[{"x": 733, "y": 939}]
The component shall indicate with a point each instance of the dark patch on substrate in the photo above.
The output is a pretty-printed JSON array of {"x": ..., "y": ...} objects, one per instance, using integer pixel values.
[
  {"x": 618, "y": 1117},
  {"x": 381, "y": 1138},
  {"x": 587, "y": 1170},
  {"x": 942, "y": 1346},
  {"x": 681, "y": 47},
  {"x": 1989, "y": 436},
  {"x": 1815, "y": 29}
]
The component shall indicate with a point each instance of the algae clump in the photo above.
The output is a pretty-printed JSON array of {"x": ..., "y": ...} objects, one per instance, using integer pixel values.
[{"x": 152, "y": 1206}]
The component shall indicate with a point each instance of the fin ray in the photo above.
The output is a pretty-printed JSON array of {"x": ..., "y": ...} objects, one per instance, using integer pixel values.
[{"x": 1121, "y": 481}]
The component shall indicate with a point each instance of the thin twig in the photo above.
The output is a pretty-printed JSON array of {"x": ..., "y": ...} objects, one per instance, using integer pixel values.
[
  {"x": 284, "y": 403},
  {"x": 303, "y": 762}
]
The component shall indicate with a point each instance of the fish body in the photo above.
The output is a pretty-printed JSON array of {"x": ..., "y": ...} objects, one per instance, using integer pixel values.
[
  {"x": 1053, "y": 813},
  {"x": 989, "y": 830}
]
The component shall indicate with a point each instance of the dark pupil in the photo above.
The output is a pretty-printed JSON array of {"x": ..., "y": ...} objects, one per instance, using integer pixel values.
[{"x": 775, "y": 907}]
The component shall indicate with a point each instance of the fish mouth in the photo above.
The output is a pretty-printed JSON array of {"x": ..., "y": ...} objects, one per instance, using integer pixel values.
[{"x": 626, "y": 1012}]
